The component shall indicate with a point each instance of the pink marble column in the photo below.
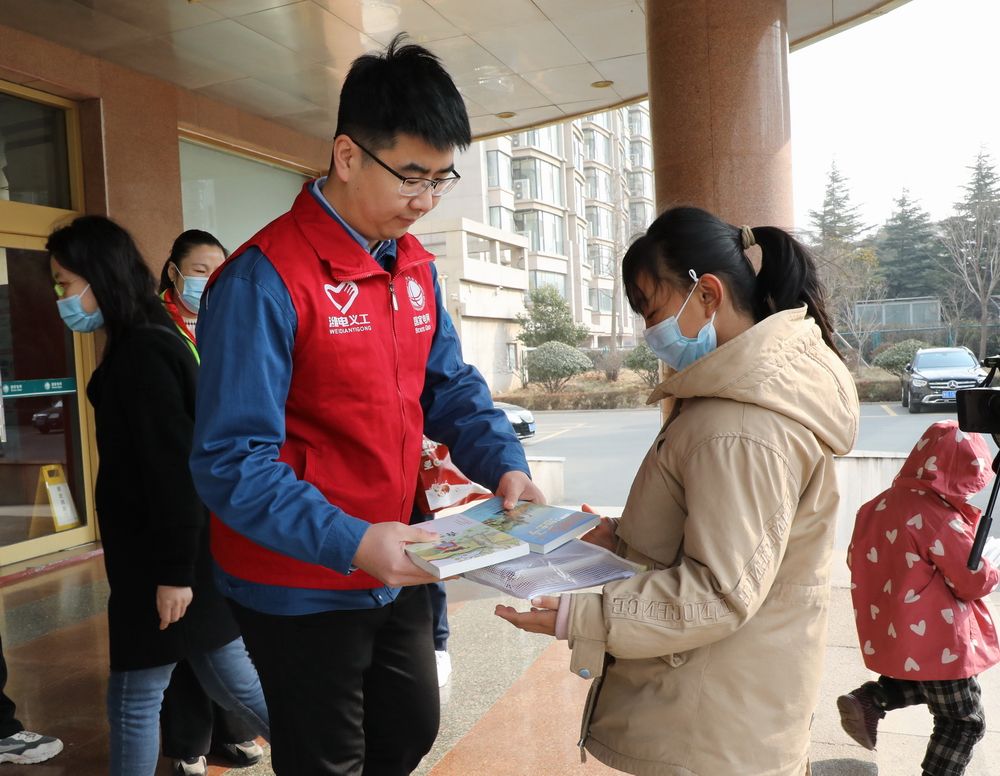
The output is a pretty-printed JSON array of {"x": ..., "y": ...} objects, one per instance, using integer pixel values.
[{"x": 718, "y": 97}]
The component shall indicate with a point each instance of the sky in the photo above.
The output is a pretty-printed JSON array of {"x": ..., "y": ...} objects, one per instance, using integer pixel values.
[{"x": 906, "y": 100}]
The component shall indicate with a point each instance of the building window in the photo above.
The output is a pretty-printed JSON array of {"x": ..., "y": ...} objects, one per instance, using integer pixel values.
[
  {"x": 231, "y": 196},
  {"x": 543, "y": 229},
  {"x": 640, "y": 154},
  {"x": 597, "y": 146},
  {"x": 580, "y": 205},
  {"x": 601, "y": 258},
  {"x": 498, "y": 169},
  {"x": 34, "y": 157},
  {"x": 638, "y": 122},
  {"x": 577, "y": 152},
  {"x": 554, "y": 280},
  {"x": 600, "y": 222},
  {"x": 640, "y": 184},
  {"x": 537, "y": 179},
  {"x": 598, "y": 184},
  {"x": 512, "y": 364},
  {"x": 547, "y": 139},
  {"x": 640, "y": 215},
  {"x": 502, "y": 218},
  {"x": 600, "y": 299},
  {"x": 602, "y": 120}
]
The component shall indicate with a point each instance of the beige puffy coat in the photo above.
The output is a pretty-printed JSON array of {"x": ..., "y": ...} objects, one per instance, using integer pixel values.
[{"x": 711, "y": 662}]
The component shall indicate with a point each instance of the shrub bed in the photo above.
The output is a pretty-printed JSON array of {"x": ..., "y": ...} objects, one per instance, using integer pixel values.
[
  {"x": 609, "y": 399},
  {"x": 591, "y": 392}
]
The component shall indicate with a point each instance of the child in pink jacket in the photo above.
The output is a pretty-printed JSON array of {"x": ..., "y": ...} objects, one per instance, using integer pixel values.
[{"x": 921, "y": 622}]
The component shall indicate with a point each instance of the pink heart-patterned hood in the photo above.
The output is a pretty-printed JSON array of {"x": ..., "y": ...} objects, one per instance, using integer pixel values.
[{"x": 949, "y": 461}]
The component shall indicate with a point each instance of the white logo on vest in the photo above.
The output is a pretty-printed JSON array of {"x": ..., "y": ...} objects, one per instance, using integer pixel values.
[
  {"x": 416, "y": 294},
  {"x": 342, "y": 296}
]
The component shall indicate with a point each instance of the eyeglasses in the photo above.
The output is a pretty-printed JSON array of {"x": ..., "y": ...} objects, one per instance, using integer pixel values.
[{"x": 414, "y": 187}]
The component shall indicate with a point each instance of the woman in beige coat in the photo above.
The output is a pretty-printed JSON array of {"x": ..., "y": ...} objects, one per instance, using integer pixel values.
[{"x": 709, "y": 664}]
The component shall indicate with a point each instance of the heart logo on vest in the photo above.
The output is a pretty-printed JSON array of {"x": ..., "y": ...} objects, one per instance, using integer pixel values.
[
  {"x": 416, "y": 294},
  {"x": 342, "y": 295}
]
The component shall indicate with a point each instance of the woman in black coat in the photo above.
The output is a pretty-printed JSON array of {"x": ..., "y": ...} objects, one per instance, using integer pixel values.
[{"x": 163, "y": 605}]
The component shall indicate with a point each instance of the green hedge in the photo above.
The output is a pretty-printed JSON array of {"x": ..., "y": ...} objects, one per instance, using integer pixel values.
[{"x": 895, "y": 357}]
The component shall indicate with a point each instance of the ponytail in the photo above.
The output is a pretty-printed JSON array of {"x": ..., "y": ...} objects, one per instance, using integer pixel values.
[{"x": 787, "y": 279}]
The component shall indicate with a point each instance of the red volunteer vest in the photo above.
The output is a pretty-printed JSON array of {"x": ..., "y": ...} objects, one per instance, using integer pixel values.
[{"x": 353, "y": 421}]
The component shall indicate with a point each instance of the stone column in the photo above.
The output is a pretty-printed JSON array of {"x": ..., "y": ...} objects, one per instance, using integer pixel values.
[{"x": 718, "y": 98}]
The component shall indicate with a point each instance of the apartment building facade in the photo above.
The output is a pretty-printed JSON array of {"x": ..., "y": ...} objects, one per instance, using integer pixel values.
[{"x": 561, "y": 205}]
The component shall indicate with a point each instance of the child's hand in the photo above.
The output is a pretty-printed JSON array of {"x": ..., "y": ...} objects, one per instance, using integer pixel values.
[{"x": 541, "y": 618}]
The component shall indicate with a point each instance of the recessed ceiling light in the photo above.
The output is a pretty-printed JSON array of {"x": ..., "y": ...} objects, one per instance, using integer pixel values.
[
  {"x": 506, "y": 115},
  {"x": 602, "y": 84}
]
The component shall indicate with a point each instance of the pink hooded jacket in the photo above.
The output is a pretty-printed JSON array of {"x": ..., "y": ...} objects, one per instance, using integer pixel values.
[{"x": 916, "y": 606}]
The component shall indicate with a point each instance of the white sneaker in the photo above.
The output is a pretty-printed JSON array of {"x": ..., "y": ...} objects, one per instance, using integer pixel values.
[
  {"x": 191, "y": 766},
  {"x": 443, "y": 666},
  {"x": 27, "y": 748}
]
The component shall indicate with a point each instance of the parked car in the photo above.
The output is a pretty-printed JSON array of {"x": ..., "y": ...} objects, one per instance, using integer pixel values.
[
  {"x": 521, "y": 419},
  {"x": 49, "y": 419},
  {"x": 935, "y": 374}
]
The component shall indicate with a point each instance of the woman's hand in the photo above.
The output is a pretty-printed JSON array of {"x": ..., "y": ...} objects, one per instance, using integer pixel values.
[
  {"x": 171, "y": 603},
  {"x": 541, "y": 618},
  {"x": 603, "y": 534}
]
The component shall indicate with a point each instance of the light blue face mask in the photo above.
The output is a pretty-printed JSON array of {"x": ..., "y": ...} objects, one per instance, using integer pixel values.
[
  {"x": 672, "y": 347},
  {"x": 73, "y": 315},
  {"x": 194, "y": 287}
]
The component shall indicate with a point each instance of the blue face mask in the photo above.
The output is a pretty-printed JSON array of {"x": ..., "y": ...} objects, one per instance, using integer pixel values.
[
  {"x": 672, "y": 347},
  {"x": 73, "y": 315},
  {"x": 194, "y": 287}
]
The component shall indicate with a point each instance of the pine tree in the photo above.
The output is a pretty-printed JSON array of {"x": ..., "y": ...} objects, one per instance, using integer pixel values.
[
  {"x": 838, "y": 224},
  {"x": 909, "y": 254}
]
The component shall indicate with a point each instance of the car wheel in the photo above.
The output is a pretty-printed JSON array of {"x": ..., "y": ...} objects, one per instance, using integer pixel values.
[
  {"x": 904, "y": 399},
  {"x": 914, "y": 406},
  {"x": 44, "y": 429}
]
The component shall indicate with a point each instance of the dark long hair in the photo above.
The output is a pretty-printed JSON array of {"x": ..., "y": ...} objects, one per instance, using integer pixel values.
[
  {"x": 183, "y": 245},
  {"x": 404, "y": 90},
  {"x": 686, "y": 238},
  {"x": 105, "y": 255}
]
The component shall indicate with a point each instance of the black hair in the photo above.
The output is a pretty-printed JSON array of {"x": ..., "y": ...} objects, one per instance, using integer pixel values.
[
  {"x": 404, "y": 90},
  {"x": 183, "y": 245},
  {"x": 688, "y": 238},
  {"x": 105, "y": 255}
]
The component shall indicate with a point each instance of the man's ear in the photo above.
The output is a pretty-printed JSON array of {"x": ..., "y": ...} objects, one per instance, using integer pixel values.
[{"x": 346, "y": 158}]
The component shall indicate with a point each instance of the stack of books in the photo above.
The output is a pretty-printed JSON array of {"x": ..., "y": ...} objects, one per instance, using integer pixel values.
[{"x": 518, "y": 550}]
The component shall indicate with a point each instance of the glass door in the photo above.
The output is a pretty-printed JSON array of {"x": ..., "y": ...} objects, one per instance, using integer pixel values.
[
  {"x": 46, "y": 440},
  {"x": 42, "y": 482}
]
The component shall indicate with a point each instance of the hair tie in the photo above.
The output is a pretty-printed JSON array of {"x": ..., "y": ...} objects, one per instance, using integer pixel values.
[{"x": 746, "y": 237}]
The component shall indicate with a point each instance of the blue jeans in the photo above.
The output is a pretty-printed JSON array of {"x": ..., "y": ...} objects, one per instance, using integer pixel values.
[{"x": 135, "y": 697}]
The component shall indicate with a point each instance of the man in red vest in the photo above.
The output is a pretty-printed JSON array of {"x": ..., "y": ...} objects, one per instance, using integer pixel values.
[{"x": 326, "y": 354}]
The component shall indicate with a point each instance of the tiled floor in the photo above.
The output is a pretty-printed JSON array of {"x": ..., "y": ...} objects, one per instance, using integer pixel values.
[{"x": 511, "y": 709}]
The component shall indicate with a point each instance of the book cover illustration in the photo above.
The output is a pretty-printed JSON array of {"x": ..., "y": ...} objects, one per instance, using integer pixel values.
[
  {"x": 463, "y": 545},
  {"x": 542, "y": 526}
]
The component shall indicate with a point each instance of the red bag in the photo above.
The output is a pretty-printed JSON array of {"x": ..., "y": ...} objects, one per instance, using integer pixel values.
[{"x": 440, "y": 483}]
